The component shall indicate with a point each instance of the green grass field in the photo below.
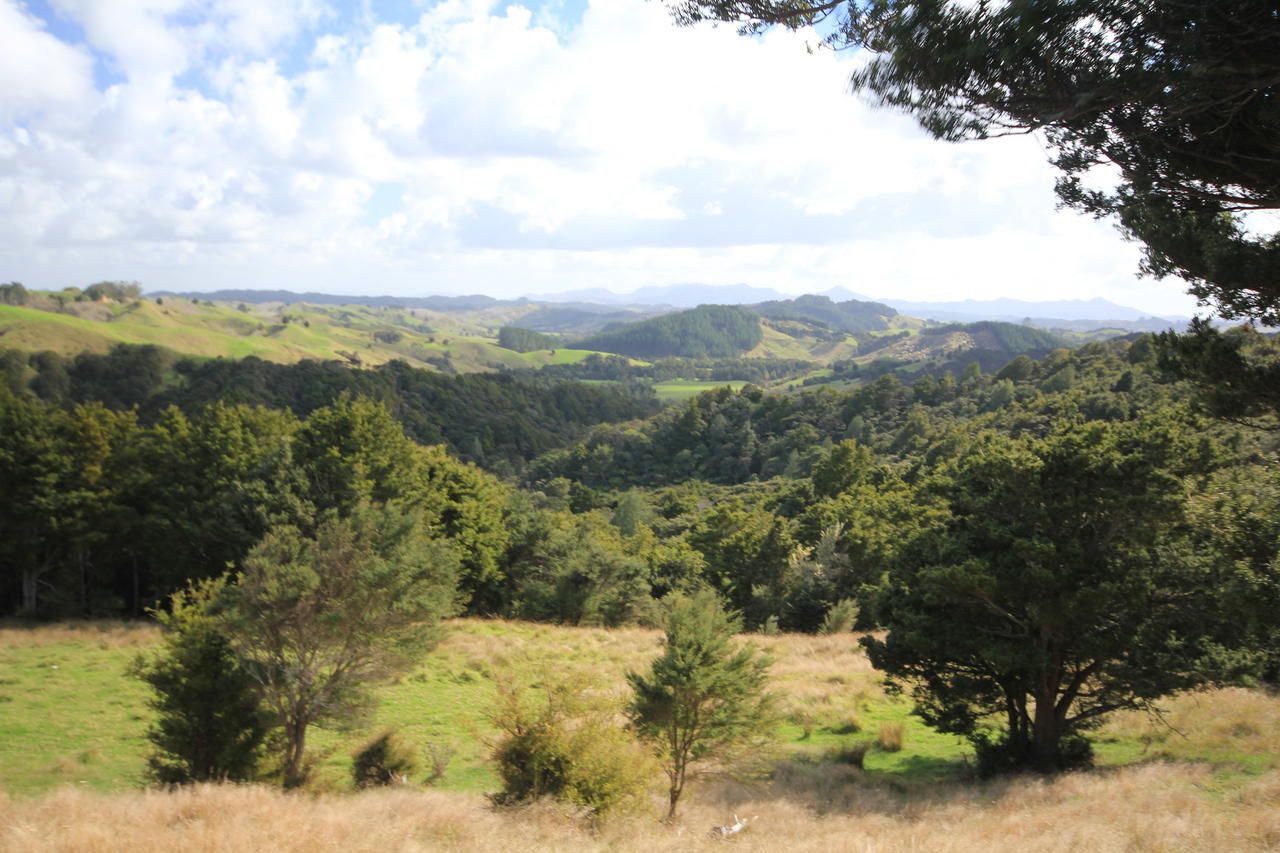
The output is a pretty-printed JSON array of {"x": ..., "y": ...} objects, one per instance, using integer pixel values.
[
  {"x": 683, "y": 389},
  {"x": 71, "y": 714}
]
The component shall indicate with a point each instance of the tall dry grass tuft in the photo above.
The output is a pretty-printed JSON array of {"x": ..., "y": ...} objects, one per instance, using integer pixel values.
[{"x": 1156, "y": 807}]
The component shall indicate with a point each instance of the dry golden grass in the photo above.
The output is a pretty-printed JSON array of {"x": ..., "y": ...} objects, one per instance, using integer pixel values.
[
  {"x": 105, "y": 634},
  {"x": 1220, "y": 792},
  {"x": 1149, "y": 808}
]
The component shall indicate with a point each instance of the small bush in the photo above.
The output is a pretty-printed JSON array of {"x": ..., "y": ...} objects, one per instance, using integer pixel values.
[
  {"x": 209, "y": 724},
  {"x": 995, "y": 755},
  {"x": 853, "y": 755},
  {"x": 840, "y": 618},
  {"x": 438, "y": 757},
  {"x": 388, "y": 758},
  {"x": 567, "y": 746},
  {"x": 891, "y": 737}
]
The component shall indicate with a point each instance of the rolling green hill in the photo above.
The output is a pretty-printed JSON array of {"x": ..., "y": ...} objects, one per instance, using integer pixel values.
[
  {"x": 850, "y": 316},
  {"x": 708, "y": 331},
  {"x": 358, "y": 335}
]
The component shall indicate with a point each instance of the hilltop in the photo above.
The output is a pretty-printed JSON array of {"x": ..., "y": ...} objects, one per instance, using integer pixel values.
[{"x": 781, "y": 342}]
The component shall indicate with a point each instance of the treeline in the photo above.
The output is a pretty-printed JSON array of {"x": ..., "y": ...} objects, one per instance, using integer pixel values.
[
  {"x": 495, "y": 420},
  {"x": 104, "y": 516},
  {"x": 728, "y": 437},
  {"x": 525, "y": 340},
  {"x": 14, "y": 293},
  {"x": 708, "y": 331}
]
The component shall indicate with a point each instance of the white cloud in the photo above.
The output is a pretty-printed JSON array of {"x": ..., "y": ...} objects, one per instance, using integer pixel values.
[
  {"x": 243, "y": 146},
  {"x": 38, "y": 73}
]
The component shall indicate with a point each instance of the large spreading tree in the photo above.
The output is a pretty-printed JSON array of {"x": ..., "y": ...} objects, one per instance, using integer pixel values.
[{"x": 1053, "y": 593}]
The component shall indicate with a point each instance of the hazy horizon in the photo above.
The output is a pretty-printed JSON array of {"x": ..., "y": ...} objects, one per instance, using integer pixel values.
[{"x": 470, "y": 146}]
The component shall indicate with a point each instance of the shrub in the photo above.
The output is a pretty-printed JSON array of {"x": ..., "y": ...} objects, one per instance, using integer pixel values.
[
  {"x": 996, "y": 755},
  {"x": 567, "y": 745},
  {"x": 209, "y": 725},
  {"x": 438, "y": 756},
  {"x": 853, "y": 755},
  {"x": 703, "y": 698},
  {"x": 388, "y": 758},
  {"x": 840, "y": 618},
  {"x": 891, "y": 737}
]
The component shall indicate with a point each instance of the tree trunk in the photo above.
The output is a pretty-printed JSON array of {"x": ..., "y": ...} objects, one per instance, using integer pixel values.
[
  {"x": 296, "y": 735},
  {"x": 30, "y": 582},
  {"x": 677, "y": 787},
  {"x": 1046, "y": 733}
]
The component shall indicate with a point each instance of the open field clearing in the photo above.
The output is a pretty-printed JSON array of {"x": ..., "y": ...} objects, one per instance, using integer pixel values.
[
  {"x": 72, "y": 750},
  {"x": 683, "y": 389}
]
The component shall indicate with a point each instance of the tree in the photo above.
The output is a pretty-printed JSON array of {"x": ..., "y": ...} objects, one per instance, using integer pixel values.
[
  {"x": 1177, "y": 97},
  {"x": 318, "y": 619},
  {"x": 1047, "y": 599},
  {"x": 209, "y": 725},
  {"x": 702, "y": 697},
  {"x": 1236, "y": 373}
]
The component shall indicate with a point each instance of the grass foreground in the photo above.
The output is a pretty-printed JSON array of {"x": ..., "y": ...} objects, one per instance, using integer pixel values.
[{"x": 72, "y": 754}]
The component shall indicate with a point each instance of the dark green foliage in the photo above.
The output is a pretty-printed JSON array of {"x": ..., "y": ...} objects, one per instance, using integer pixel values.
[
  {"x": 616, "y": 368},
  {"x": 525, "y": 340},
  {"x": 14, "y": 293},
  {"x": 59, "y": 474},
  {"x": 708, "y": 331},
  {"x": 1236, "y": 373},
  {"x": 209, "y": 726},
  {"x": 492, "y": 419},
  {"x": 1235, "y": 538},
  {"x": 120, "y": 291},
  {"x": 1046, "y": 598},
  {"x": 387, "y": 758},
  {"x": 703, "y": 697},
  {"x": 580, "y": 571}
]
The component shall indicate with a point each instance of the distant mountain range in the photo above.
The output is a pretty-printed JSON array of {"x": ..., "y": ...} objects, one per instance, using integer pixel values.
[{"x": 1077, "y": 314}]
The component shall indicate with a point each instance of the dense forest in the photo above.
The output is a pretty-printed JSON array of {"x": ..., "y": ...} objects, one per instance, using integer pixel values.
[
  {"x": 850, "y": 316},
  {"x": 525, "y": 340},
  {"x": 128, "y": 475},
  {"x": 493, "y": 419},
  {"x": 708, "y": 331}
]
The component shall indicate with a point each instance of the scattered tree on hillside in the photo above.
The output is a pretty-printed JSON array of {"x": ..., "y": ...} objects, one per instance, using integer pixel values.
[
  {"x": 703, "y": 698},
  {"x": 318, "y": 620}
]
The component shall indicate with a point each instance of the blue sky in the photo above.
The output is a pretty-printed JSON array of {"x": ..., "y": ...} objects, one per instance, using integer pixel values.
[{"x": 501, "y": 148}]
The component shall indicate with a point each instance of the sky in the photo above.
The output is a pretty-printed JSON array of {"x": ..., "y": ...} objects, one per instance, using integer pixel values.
[{"x": 470, "y": 146}]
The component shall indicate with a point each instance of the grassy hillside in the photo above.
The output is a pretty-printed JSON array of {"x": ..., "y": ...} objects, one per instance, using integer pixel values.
[
  {"x": 72, "y": 723},
  {"x": 69, "y": 713},
  {"x": 365, "y": 335}
]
